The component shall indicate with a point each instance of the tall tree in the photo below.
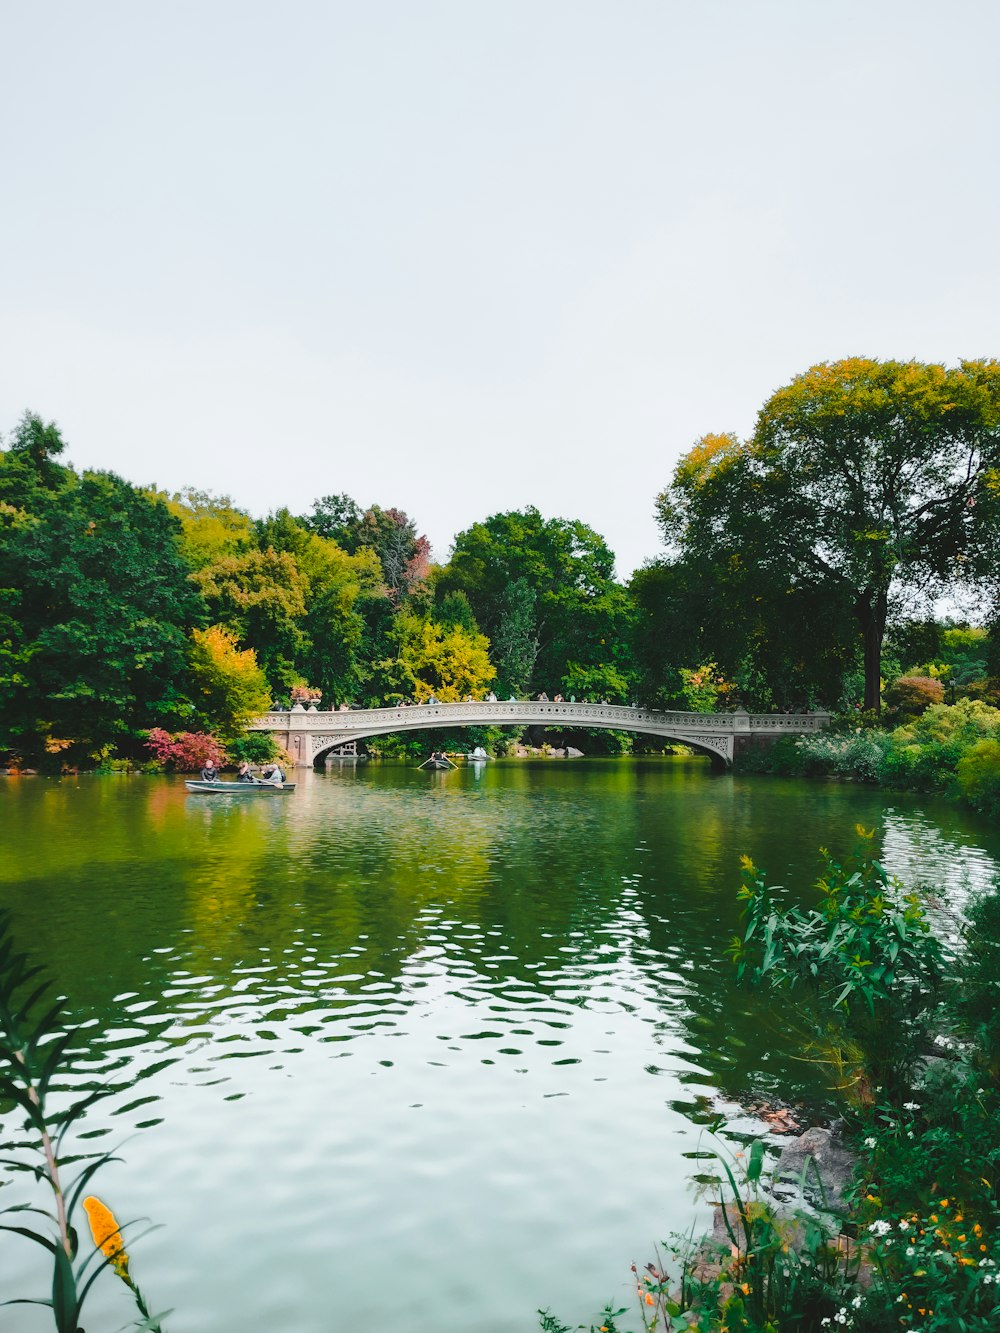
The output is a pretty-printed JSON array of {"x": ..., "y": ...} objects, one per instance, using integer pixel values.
[
  {"x": 862, "y": 477},
  {"x": 579, "y": 613},
  {"x": 103, "y": 608}
]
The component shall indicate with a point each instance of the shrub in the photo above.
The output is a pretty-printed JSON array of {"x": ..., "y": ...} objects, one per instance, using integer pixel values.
[
  {"x": 864, "y": 961},
  {"x": 909, "y": 696},
  {"x": 256, "y": 747},
  {"x": 978, "y": 775},
  {"x": 978, "y": 984},
  {"x": 185, "y": 751}
]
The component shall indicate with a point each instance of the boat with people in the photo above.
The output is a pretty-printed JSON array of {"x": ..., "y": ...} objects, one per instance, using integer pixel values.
[
  {"x": 272, "y": 779},
  {"x": 478, "y": 756},
  {"x": 254, "y": 788},
  {"x": 438, "y": 760}
]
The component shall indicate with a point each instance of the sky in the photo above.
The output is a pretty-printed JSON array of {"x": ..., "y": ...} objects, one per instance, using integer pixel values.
[{"x": 462, "y": 257}]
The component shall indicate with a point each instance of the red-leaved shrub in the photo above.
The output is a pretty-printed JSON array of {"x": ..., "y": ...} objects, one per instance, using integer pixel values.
[{"x": 186, "y": 751}]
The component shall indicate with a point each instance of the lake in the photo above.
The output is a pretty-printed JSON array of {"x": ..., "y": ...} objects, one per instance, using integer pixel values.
[{"x": 420, "y": 1050}]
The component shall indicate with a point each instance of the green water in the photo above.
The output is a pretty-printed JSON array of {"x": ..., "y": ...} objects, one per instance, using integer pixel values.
[{"x": 414, "y": 1050}]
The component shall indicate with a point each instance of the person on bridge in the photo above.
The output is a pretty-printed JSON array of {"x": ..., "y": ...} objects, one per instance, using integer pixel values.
[
  {"x": 491, "y": 698},
  {"x": 543, "y": 698}
]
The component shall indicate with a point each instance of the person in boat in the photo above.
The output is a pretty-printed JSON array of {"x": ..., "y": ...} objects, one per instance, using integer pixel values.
[
  {"x": 243, "y": 773},
  {"x": 209, "y": 773},
  {"x": 275, "y": 775}
]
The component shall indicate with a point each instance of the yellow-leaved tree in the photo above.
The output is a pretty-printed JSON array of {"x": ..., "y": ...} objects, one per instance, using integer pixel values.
[
  {"x": 446, "y": 661},
  {"x": 230, "y": 688}
]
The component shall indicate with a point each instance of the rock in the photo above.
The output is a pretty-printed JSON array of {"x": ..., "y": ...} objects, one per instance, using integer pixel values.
[
  {"x": 830, "y": 1170},
  {"x": 573, "y": 754}
]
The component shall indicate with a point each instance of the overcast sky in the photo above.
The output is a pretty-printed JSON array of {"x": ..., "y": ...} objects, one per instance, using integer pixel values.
[{"x": 461, "y": 257}]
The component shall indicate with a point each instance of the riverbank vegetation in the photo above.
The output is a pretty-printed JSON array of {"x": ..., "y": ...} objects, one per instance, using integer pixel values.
[
  {"x": 803, "y": 567},
  {"x": 908, "y": 1030}
]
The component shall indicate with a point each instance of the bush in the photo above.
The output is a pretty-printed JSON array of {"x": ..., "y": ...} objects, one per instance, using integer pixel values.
[
  {"x": 978, "y": 775},
  {"x": 977, "y": 991},
  {"x": 909, "y": 696},
  {"x": 864, "y": 961},
  {"x": 185, "y": 751},
  {"x": 256, "y": 747}
]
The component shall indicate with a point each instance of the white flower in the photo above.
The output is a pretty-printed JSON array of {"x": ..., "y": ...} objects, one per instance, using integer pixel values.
[
  {"x": 881, "y": 1227},
  {"x": 888, "y": 1242},
  {"x": 869, "y": 1142},
  {"x": 904, "y": 1225},
  {"x": 910, "y": 1251},
  {"x": 911, "y": 1106},
  {"x": 910, "y": 1134},
  {"x": 856, "y": 1302}
]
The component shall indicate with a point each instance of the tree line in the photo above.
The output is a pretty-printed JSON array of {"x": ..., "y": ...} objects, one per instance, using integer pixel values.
[{"x": 801, "y": 568}]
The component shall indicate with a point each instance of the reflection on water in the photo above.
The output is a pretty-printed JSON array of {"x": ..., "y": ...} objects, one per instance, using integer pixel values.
[{"x": 383, "y": 1032}]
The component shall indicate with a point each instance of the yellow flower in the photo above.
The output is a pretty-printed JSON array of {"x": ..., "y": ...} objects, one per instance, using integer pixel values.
[{"x": 107, "y": 1236}]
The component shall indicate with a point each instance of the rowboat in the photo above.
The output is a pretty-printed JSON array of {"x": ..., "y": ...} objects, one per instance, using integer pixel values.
[{"x": 240, "y": 788}]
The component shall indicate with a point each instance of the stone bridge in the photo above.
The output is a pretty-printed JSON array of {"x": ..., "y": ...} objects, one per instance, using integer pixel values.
[{"x": 308, "y": 734}]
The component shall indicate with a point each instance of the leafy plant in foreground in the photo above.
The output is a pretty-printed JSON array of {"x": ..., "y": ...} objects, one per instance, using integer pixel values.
[
  {"x": 34, "y": 1046},
  {"x": 863, "y": 961}
]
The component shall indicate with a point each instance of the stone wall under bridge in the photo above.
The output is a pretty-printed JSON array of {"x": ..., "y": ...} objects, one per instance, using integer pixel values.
[{"x": 309, "y": 734}]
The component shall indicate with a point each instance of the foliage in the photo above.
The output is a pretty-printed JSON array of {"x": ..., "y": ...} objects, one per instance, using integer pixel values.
[
  {"x": 544, "y": 591},
  {"x": 434, "y": 660},
  {"x": 35, "y": 1043},
  {"x": 703, "y": 687},
  {"x": 229, "y": 686},
  {"x": 185, "y": 751},
  {"x": 863, "y": 965},
  {"x": 862, "y": 477},
  {"x": 261, "y": 597},
  {"x": 211, "y": 526},
  {"x": 978, "y": 776},
  {"x": 909, "y": 696},
  {"x": 978, "y": 982},
  {"x": 256, "y": 747},
  {"x": 98, "y": 608},
  {"x": 515, "y": 641}
]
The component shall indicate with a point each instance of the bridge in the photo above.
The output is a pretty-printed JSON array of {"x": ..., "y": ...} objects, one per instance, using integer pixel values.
[{"x": 308, "y": 733}]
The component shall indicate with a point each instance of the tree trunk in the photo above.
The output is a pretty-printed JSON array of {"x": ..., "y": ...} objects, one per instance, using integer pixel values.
[{"x": 871, "y": 608}]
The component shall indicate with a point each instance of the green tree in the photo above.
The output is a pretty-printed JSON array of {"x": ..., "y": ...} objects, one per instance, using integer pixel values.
[
  {"x": 580, "y": 614},
  {"x": 862, "y": 478},
  {"x": 100, "y": 608},
  {"x": 336, "y": 517},
  {"x": 261, "y": 597},
  {"x": 515, "y": 641}
]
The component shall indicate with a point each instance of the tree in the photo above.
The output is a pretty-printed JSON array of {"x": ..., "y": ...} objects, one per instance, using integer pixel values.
[
  {"x": 515, "y": 643},
  {"x": 99, "y": 611},
  {"x": 211, "y": 526},
  {"x": 261, "y": 597},
  {"x": 448, "y": 662},
  {"x": 579, "y": 612},
  {"x": 862, "y": 478},
  {"x": 229, "y": 686},
  {"x": 336, "y": 517}
]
